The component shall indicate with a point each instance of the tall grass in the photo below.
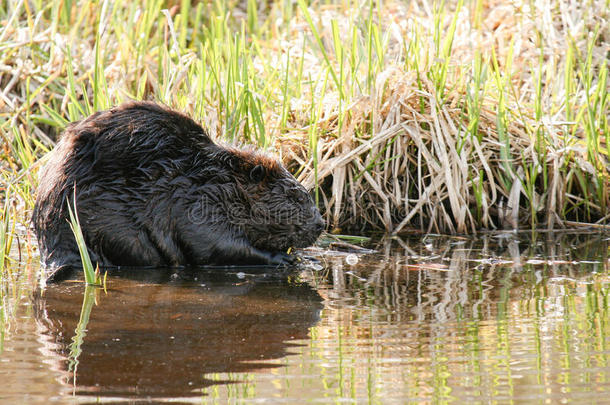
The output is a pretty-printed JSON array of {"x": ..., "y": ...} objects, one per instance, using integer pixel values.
[
  {"x": 90, "y": 272},
  {"x": 6, "y": 235},
  {"x": 449, "y": 116}
]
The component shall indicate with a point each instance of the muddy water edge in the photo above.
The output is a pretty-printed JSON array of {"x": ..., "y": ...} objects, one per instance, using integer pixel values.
[{"x": 502, "y": 318}]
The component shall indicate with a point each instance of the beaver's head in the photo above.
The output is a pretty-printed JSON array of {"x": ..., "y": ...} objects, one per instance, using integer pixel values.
[{"x": 278, "y": 212}]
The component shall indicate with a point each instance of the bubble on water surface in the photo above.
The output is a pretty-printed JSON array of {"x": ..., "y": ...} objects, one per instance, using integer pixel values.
[{"x": 351, "y": 259}]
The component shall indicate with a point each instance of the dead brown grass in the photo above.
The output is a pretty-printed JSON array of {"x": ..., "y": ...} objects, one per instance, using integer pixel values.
[{"x": 423, "y": 168}]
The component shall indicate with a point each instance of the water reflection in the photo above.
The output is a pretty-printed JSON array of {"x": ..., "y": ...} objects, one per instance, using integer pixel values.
[
  {"x": 501, "y": 318},
  {"x": 508, "y": 317},
  {"x": 148, "y": 338},
  {"x": 438, "y": 277}
]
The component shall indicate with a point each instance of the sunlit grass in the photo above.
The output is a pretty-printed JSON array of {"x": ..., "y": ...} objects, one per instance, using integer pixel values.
[
  {"x": 90, "y": 272},
  {"x": 6, "y": 234}
]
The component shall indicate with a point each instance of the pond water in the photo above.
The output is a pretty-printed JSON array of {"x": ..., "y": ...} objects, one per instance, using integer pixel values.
[{"x": 501, "y": 318}]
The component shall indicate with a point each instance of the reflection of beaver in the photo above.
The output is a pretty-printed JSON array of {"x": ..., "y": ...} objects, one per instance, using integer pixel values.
[
  {"x": 169, "y": 338},
  {"x": 152, "y": 189}
]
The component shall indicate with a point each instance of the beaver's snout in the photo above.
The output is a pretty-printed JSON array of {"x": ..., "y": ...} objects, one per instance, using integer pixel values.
[
  {"x": 311, "y": 231},
  {"x": 319, "y": 225}
]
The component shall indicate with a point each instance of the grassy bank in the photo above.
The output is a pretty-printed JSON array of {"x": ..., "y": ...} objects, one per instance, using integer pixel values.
[{"x": 444, "y": 116}]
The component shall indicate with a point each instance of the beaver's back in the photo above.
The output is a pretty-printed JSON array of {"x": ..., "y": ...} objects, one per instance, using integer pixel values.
[{"x": 131, "y": 138}]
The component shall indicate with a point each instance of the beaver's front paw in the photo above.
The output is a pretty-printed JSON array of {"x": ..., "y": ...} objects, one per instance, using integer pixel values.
[{"x": 282, "y": 259}]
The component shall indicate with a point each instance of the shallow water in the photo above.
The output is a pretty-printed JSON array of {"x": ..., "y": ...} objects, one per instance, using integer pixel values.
[{"x": 504, "y": 318}]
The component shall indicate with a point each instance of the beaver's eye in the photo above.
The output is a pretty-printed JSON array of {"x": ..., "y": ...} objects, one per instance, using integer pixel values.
[
  {"x": 257, "y": 174},
  {"x": 298, "y": 196}
]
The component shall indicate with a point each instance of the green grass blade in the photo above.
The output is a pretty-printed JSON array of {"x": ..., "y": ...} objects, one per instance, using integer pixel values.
[{"x": 89, "y": 271}]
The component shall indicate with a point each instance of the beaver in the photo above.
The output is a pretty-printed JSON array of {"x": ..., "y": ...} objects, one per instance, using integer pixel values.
[{"x": 153, "y": 189}]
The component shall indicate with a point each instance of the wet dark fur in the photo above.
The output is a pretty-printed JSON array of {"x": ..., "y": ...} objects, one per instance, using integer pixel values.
[{"x": 152, "y": 189}]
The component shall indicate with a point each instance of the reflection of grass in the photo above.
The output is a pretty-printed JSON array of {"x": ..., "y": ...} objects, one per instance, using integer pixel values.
[
  {"x": 3, "y": 318},
  {"x": 482, "y": 330},
  {"x": 16, "y": 286},
  {"x": 81, "y": 330}
]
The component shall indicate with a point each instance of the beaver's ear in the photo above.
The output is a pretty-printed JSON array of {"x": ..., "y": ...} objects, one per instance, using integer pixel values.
[{"x": 257, "y": 173}]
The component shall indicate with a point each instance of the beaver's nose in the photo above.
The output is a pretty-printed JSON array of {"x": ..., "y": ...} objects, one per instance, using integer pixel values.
[{"x": 320, "y": 224}]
